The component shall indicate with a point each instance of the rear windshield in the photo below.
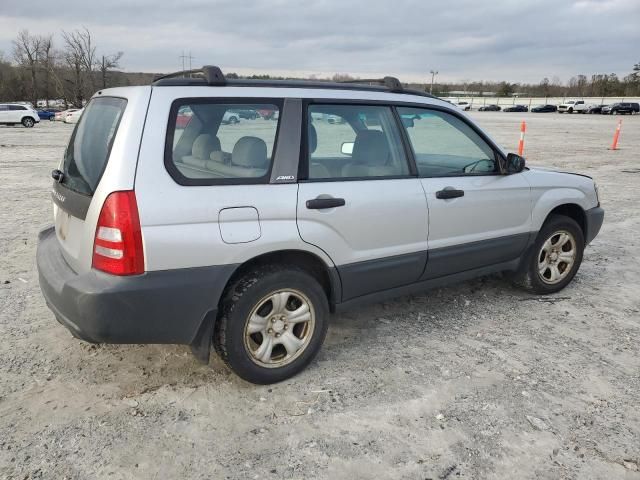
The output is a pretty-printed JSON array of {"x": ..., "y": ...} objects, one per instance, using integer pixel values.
[{"x": 90, "y": 144}]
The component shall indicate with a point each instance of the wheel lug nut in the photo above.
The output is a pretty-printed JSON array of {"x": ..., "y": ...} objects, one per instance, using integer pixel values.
[
  {"x": 273, "y": 319},
  {"x": 270, "y": 330},
  {"x": 286, "y": 326},
  {"x": 277, "y": 334}
]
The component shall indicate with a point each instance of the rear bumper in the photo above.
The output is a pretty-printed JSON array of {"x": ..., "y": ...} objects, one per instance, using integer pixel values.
[
  {"x": 594, "y": 217},
  {"x": 155, "y": 307}
]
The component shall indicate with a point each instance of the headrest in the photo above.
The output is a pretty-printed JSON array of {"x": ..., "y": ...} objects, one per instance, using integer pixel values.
[
  {"x": 371, "y": 147},
  {"x": 312, "y": 138},
  {"x": 250, "y": 152},
  {"x": 203, "y": 146}
]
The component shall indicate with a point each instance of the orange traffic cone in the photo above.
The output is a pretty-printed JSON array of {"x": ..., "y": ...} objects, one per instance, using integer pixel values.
[
  {"x": 523, "y": 129},
  {"x": 616, "y": 136}
]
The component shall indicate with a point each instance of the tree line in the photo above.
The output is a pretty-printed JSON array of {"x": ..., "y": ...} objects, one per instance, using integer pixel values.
[
  {"x": 37, "y": 69},
  {"x": 40, "y": 70}
]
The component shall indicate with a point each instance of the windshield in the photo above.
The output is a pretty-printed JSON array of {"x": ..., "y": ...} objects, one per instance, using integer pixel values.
[{"x": 90, "y": 144}]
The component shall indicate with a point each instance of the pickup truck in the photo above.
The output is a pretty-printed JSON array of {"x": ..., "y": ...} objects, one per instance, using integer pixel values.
[{"x": 573, "y": 106}]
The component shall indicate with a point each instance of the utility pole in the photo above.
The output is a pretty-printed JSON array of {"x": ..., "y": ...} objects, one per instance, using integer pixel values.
[
  {"x": 184, "y": 57},
  {"x": 433, "y": 75}
]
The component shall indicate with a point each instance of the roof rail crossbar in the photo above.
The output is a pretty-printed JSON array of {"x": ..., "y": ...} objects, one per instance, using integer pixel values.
[
  {"x": 211, "y": 73},
  {"x": 391, "y": 83}
]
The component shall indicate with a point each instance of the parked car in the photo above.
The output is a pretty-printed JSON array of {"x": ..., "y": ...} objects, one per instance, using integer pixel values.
[
  {"x": 230, "y": 117},
  {"x": 47, "y": 114},
  {"x": 466, "y": 106},
  {"x": 577, "y": 106},
  {"x": 14, "y": 113},
  {"x": 516, "y": 108},
  {"x": 621, "y": 108},
  {"x": 595, "y": 108},
  {"x": 60, "y": 116},
  {"x": 73, "y": 117},
  {"x": 489, "y": 108},
  {"x": 544, "y": 109},
  {"x": 250, "y": 254},
  {"x": 247, "y": 113}
]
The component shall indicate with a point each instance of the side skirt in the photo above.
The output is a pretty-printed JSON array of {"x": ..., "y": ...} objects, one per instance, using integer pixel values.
[{"x": 422, "y": 286}]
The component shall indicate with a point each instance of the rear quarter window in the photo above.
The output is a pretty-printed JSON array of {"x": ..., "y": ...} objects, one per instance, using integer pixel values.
[
  {"x": 90, "y": 144},
  {"x": 221, "y": 141}
]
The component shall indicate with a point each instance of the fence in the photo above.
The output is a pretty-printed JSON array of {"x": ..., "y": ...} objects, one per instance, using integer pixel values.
[{"x": 533, "y": 101}]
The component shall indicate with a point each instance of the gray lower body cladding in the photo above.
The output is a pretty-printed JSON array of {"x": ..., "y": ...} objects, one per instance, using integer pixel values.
[
  {"x": 155, "y": 307},
  {"x": 172, "y": 306},
  {"x": 594, "y": 219}
]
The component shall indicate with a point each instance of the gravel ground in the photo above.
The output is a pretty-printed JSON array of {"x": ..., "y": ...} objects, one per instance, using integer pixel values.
[{"x": 479, "y": 380}]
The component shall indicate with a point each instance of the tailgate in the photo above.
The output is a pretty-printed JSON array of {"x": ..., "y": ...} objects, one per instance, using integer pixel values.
[{"x": 100, "y": 158}]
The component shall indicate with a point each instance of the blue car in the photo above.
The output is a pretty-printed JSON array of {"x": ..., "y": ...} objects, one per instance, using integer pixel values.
[{"x": 46, "y": 115}]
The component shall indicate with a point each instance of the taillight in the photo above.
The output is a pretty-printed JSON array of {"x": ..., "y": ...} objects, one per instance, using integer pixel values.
[{"x": 117, "y": 246}]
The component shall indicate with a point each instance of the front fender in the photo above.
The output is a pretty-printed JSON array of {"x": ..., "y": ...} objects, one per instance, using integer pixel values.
[{"x": 547, "y": 200}]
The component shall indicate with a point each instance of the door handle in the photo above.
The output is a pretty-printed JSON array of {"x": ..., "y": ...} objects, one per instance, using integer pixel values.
[
  {"x": 320, "y": 203},
  {"x": 449, "y": 192}
]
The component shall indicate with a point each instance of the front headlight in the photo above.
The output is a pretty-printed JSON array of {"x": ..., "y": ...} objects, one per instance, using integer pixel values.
[{"x": 595, "y": 187}]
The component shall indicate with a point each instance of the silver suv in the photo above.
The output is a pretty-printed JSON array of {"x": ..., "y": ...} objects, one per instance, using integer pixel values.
[{"x": 173, "y": 225}]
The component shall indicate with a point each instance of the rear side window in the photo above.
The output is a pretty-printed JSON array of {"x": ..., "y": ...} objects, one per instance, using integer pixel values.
[
  {"x": 213, "y": 141},
  {"x": 16, "y": 107},
  {"x": 354, "y": 142},
  {"x": 90, "y": 144}
]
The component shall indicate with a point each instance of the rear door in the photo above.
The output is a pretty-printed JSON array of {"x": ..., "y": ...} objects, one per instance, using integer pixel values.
[
  {"x": 4, "y": 113},
  {"x": 360, "y": 202},
  {"x": 477, "y": 216}
]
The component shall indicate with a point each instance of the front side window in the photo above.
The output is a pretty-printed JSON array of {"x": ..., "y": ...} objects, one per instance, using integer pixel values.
[
  {"x": 354, "y": 141},
  {"x": 212, "y": 140},
  {"x": 445, "y": 145}
]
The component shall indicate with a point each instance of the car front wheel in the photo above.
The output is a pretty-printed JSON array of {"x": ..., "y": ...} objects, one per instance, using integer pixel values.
[
  {"x": 28, "y": 122},
  {"x": 555, "y": 257},
  {"x": 272, "y": 324}
]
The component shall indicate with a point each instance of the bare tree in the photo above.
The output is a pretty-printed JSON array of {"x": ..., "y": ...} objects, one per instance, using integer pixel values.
[
  {"x": 80, "y": 55},
  {"x": 46, "y": 60},
  {"x": 73, "y": 56},
  {"x": 26, "y": 52},
  {"x": 107, "y": 63}
]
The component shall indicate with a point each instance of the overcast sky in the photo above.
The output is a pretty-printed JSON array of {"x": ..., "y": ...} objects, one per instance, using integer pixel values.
[{"x": 516, "y": 40}]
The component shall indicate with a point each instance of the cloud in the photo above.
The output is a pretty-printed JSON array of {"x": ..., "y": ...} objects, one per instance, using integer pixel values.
[{"x": 517, "y": 41}]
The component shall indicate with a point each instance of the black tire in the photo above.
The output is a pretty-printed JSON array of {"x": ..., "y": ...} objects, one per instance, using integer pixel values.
[
  {"x": 240, "y": 300},
  {"x": 570, "y": 110},
  {"x": 28, "y": 122},
  {"x": 529, "y": 277},
  {"x": 233, "y": 120}
]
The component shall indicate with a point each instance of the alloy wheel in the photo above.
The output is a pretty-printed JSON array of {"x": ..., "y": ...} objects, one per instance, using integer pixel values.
[
  {"x": 557, "y": 257},
  {"x": 279, "y": 328}
]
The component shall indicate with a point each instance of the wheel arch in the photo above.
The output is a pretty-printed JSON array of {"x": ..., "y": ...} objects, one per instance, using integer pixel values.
[
  {"x": 326, "y": 275},
  {"x": 573, "y": 211}
]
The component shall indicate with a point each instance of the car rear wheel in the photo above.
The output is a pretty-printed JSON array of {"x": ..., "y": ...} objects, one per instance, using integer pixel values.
[
  {"x": 272, "y": 324},
  {"x": 28, "y": 122},
  {"x": 555, "y": 257}
]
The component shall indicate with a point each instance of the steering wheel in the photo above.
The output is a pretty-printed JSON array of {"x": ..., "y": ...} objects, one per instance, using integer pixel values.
[{"x": 472, "y": 166}]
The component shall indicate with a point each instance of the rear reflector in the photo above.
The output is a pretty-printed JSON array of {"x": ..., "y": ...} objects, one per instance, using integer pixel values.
[{"x": 117, "y": 247}]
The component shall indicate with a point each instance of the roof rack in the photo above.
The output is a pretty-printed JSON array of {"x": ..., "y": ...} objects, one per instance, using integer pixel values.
[{"x": 210, "y": 75}]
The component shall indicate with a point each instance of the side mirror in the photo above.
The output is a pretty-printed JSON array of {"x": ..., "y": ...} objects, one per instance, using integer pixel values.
[
  {"x": 515, "y": 164},
  {"x": 347, "y": 148},
  {"x": 407, "y": 122}
]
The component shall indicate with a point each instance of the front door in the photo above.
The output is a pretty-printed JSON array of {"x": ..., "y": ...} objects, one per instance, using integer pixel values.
[
  {"x": 477, "y": 216},
  {"x": 360, "y": 203}
]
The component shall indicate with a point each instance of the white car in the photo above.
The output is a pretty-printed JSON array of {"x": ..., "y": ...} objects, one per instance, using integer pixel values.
[
  {"x": 577, "y": 106},
  {"x": 14, "y": 113},
  {"x": 60, "y": 116},
  {"x": 160, "y": 237},
  {"x": 74, "y": 116}
]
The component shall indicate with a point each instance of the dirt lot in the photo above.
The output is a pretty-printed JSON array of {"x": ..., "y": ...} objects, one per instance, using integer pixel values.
[{"x": 474, "y": 381}]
